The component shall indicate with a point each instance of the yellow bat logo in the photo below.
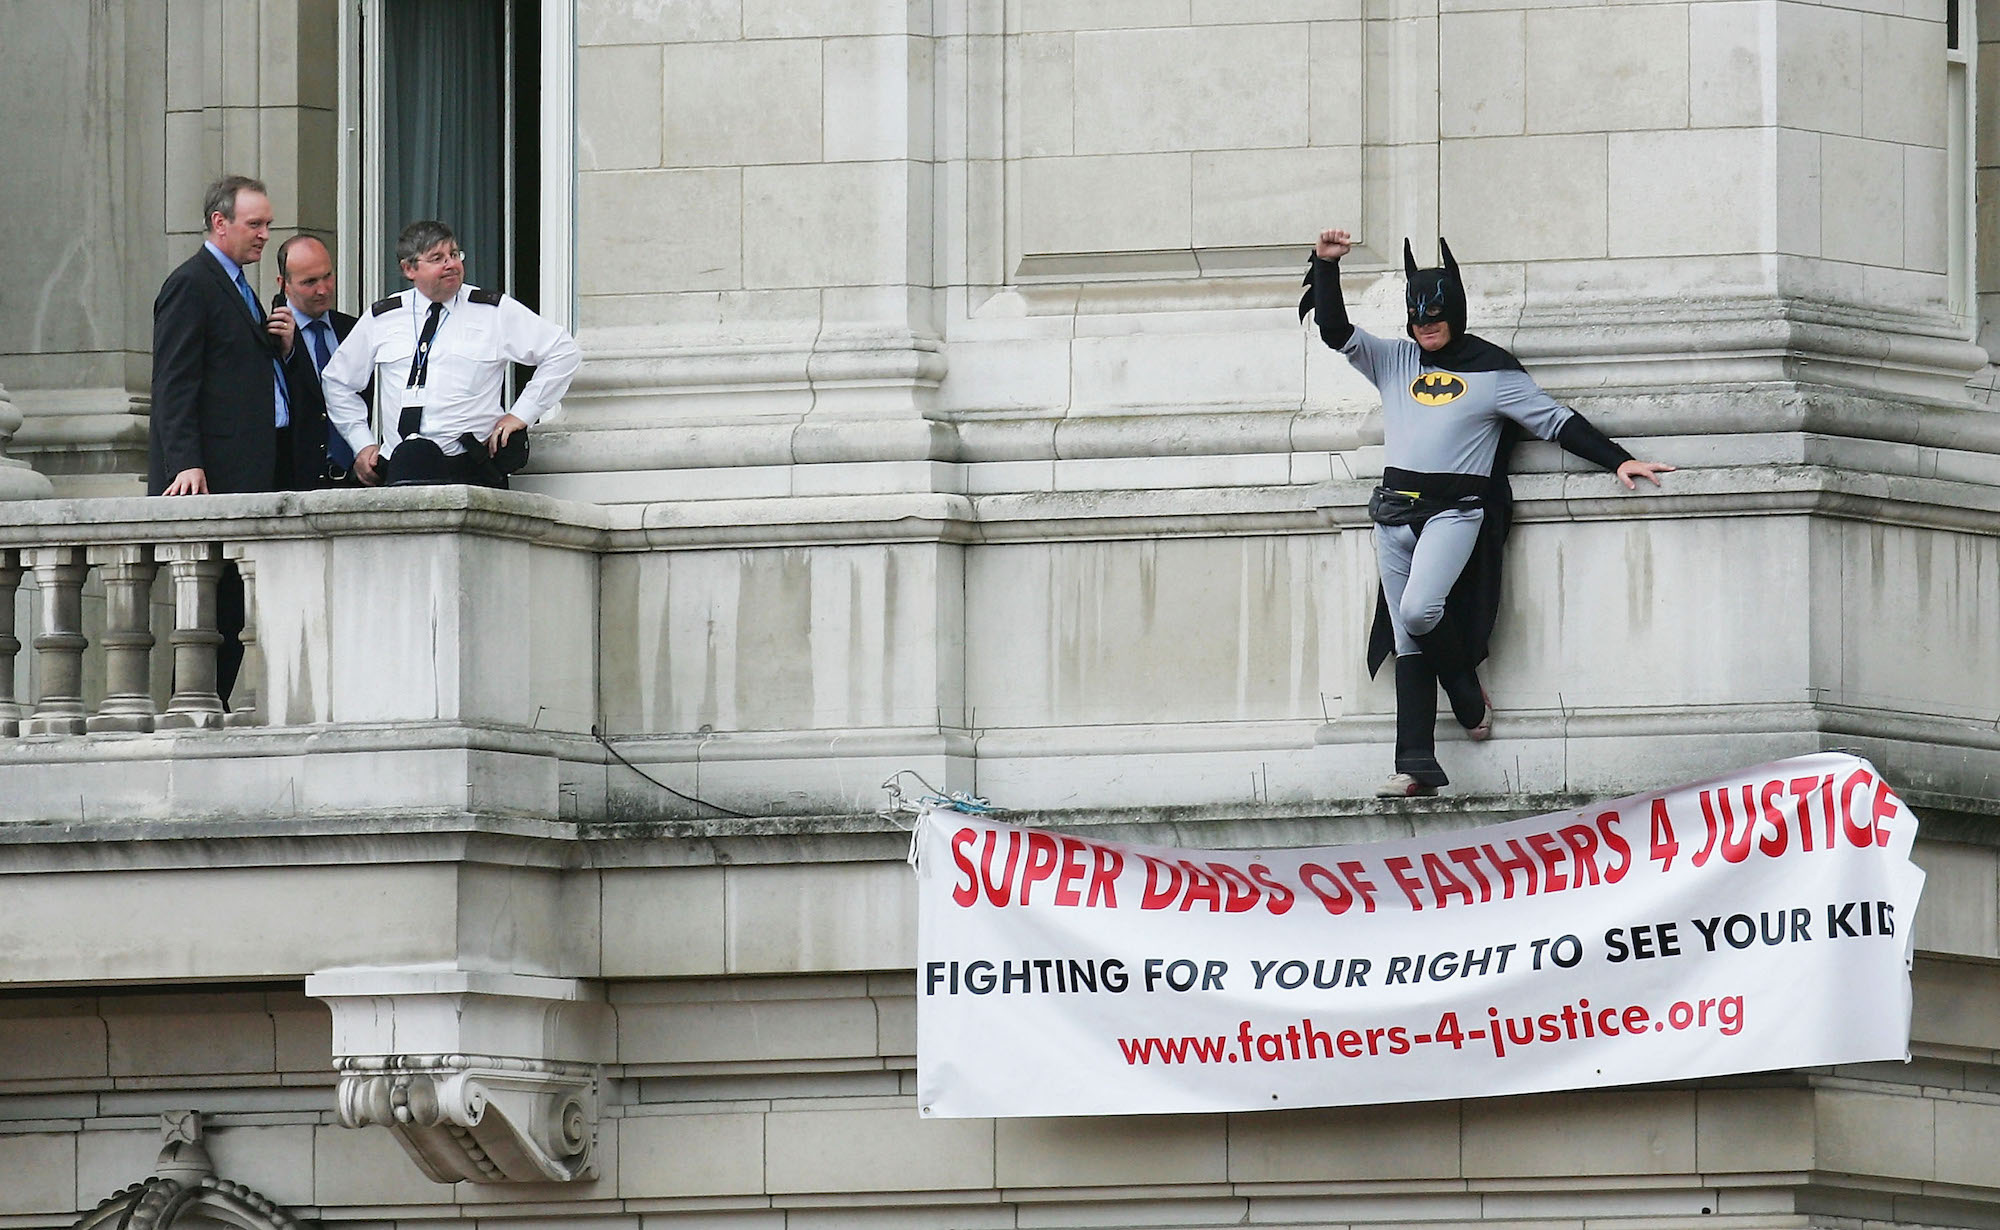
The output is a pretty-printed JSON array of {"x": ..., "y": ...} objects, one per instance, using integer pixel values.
[{"x": 1436, "y": 388}]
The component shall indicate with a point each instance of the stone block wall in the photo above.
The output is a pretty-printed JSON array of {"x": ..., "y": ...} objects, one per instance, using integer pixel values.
[
  {"x": 762, "y": 1076},
  {"x": 944, "y": 367},
  {"x": 120, "y": 114},
  {"x": 1105, "y": 208}
]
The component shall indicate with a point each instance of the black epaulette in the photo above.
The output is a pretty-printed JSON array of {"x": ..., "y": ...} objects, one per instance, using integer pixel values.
[
  {"x": 385, "y": 305},
  {"x": 491, "y": 298}
]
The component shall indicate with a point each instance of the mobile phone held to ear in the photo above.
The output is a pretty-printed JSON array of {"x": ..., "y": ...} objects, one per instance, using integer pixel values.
[{"x": 271, "y": 339}]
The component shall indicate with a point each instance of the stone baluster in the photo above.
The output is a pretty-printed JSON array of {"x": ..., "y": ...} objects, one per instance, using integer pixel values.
[
  {"x": 246, "y": 699},
  {"x": 127, "y": 573},
  {"x": 10, "y": 584},
  {"x": 59, "y": 645},
  {"x": 194, "y": 568}
]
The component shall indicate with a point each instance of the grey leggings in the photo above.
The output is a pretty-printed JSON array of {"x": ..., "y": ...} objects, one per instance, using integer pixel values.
[{"x": 1418, "y": 572}]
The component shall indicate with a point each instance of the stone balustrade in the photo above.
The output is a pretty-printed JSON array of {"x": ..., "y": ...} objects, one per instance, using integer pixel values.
[
  {"x": 413, "y": 628},
  {"x": 127, "y": 573},
  {"x": 451, "y": 652}
]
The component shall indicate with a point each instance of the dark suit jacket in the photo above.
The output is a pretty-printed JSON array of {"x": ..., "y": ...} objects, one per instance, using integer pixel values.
[
  {"x": 213, "y": 388},
  {"x": 309, "y": 405}
]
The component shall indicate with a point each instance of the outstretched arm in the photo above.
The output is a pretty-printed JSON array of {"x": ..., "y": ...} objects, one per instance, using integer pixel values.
[
  {"x": 1521, "y": 399},
  {"x": 1580, "y": 436},
  {"x": 1328, "y": 306}
]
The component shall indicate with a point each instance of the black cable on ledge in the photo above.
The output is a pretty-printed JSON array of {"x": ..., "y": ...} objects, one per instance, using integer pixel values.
[{"x": 598, "y": 735}]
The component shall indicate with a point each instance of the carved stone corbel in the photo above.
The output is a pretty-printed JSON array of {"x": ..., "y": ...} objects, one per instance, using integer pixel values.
[
  {"x": 486, "y": 1118},
  {"x": 486, "y": 1077}
]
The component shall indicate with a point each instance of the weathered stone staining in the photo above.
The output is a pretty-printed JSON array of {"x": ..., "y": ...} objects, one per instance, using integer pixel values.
[{"x": 945, "y": 410}]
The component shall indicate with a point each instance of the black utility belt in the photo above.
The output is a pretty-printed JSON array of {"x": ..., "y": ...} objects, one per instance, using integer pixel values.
[{"x": 1387, "y": 506}]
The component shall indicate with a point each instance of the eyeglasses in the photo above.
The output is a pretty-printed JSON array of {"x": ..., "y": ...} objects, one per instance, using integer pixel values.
[{"x": 438, "y": 260}]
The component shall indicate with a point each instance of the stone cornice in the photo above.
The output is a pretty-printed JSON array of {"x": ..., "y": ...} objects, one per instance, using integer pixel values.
[
  {"x": 305, "y": 514},
  {"x": 112, "y": 847},
  {"x": 1855, "y": 460}
]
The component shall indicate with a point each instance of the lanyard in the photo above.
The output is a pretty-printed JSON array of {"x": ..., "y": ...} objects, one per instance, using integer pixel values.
[{"x": 426, "y": 337}]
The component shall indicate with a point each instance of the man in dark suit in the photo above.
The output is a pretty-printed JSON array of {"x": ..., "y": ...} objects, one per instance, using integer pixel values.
[
  {"x": 305, "y": 275},
  {"x": 222, "y": 415},
  {"x": 221, "y": 419}
]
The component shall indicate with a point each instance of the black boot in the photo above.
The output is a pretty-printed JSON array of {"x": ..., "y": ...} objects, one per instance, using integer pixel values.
[
  {"x": 1468, "y": 699},
  {"x": 1416, "y": 721},
  {"x": 1444, "y": 648}
]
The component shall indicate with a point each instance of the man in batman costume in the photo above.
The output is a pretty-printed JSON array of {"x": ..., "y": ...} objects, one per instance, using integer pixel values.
[{"x": 1453, "y": 406}]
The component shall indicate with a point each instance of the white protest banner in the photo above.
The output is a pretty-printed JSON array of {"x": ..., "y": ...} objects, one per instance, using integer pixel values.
[{"x": 1755, "y": 921}]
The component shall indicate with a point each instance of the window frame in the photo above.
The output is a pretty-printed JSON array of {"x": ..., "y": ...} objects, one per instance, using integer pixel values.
[
  {"x": 1962, "y": 166},
  {"x": 358, "y": 176}
]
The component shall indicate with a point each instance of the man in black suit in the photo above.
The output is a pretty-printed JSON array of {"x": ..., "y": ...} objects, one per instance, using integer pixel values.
[
  {"x": 305, "y": 275},
  {"x": 221, "y": 420},
  {"x": 222, "y": 414}
]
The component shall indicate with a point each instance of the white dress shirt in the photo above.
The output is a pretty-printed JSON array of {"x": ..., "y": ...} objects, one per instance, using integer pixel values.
[{"x": 467, "y": 371}]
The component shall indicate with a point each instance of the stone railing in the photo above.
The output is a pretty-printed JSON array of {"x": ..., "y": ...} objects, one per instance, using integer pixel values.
[
  {"x": 127, "y": 573},
  {"x": 453, "y": 652},
  {"x": 420, "y": 634}
]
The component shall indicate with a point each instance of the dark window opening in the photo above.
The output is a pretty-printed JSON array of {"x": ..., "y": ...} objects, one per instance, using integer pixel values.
[{"x": 457, "y": 145}]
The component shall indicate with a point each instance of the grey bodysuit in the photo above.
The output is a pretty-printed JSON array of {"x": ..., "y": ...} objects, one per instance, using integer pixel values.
[{"x": 1439, "y": 422}]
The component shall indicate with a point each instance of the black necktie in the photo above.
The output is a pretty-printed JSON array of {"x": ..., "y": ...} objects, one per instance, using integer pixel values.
[
  {"x": 411, "y": 420},
  {"x": 420, "y": 366}
]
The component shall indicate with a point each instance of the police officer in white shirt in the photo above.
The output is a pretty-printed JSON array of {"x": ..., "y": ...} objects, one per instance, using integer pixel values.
[{"x": 443, "y": 349}]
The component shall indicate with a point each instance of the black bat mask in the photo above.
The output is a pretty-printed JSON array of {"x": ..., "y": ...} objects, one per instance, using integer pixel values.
[{"x": 1435, "y": 294}]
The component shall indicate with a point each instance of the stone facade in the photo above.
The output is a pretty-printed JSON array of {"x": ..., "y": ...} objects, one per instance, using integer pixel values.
[{"x": 945, "y": 409}]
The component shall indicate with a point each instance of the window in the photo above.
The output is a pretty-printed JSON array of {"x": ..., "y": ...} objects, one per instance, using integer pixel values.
[
  {"x": 1961, "y": 260},
  {"x": 459, "y": 110}
]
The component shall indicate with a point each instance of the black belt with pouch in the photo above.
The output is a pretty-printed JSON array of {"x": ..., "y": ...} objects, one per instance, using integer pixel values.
[{"x": 1390, "y": 507}]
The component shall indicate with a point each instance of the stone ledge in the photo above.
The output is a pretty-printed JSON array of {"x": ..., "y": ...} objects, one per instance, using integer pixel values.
[
  {"x": 474, "y": 838},
  {"x": 1913, "y": 493}
]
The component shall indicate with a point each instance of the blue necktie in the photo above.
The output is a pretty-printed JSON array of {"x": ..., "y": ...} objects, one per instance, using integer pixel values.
[
  {"x": 249, "y": 298},
  {"x": 321, "y": 351},
  {"x": 338, "y": 452},
  {"x": 282, "y": 401}
]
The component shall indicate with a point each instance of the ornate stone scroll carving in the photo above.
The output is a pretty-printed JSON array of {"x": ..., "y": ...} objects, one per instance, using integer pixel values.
[
  {"x": 184, "y": 1184},
  {"x": 487, "y": 1077},
  {"x": 486, "y": 1118}
]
